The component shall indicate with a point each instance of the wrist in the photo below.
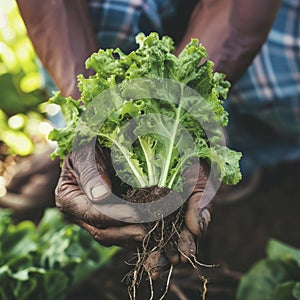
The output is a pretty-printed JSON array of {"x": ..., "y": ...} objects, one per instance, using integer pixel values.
[
  {"x": 236, "y": 54},
  {"x": 63, "y": 39}
]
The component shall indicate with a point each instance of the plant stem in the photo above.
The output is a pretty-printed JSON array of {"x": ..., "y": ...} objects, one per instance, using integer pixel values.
[
  {"x": 149, "y": 165},
  {"x": 136, "y": 173},
  {"x": 164, "y": 175},
  {"x": 179, "y": 167}
]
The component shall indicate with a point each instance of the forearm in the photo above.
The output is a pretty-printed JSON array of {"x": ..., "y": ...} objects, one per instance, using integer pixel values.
[
  {"x": 233, "y": 31},
  {"x": 62, "y": 37}
]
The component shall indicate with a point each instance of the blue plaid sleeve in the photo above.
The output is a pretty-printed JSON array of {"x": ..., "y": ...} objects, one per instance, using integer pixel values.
[
  {"x": 117, "y": 22},
  {"x": 270, "y": 89},
  {"x": 264, "y": 106}
]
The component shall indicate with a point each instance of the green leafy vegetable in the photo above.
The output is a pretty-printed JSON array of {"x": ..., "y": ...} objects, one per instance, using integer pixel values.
[
  {"x": 47, "y": 261},
  {"x": 275, "y": 277},
  {"x": 156, "y": 158}
]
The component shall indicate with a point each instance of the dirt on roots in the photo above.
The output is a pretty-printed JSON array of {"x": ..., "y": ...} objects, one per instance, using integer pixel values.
[{"x": 162, "y": 235}]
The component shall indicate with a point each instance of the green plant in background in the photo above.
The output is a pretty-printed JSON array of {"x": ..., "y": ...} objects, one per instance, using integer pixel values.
[
  {"x": 48, "y": 261},
  {"x": 277, "y": 277},
  {"x": 17, "y": 141},
  {"x": 21, "y": 84}
]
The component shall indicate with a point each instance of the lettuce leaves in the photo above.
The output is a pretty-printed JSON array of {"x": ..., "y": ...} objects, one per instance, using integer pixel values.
[
  {"x": 275, "y": 277},
  {"x": 47, "y": 261},
  {"x": 156, "y": 136}
]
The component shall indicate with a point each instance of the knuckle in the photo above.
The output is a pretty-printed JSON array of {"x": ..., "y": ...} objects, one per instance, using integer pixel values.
[
  {"x": 60, "y": 204},
  {"x": 95, "y": 234},
  {"x": 67, "y": 164},
  {"x": 62, "y": 197},
  {"x": 98, "y": 235},
  {"x": 139, "y": 237},
  {"x": 85, "y": 216}
]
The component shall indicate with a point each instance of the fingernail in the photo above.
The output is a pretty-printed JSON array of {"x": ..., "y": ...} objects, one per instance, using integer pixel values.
[
  {"x": 99, "y": 191},
  {"x": 205, "y": 218}
]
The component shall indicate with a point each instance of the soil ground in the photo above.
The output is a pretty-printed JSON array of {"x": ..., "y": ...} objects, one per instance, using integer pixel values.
[{"x": 236, "y": 238}]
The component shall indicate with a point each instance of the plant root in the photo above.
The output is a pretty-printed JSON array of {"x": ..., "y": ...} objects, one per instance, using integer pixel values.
[
  {"x": 162, "y": 235},
  {"x": 167, "y": 284},
  {"x": 205, "y": 281}
]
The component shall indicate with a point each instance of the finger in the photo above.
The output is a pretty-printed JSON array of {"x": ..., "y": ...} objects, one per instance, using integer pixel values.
[
  {"x": 39, "y": 190},
  {"x": 129, "y": 236},
  {"x": 16, "y": 202},
  {"x": 90, "y": 166},
  {"x": 195, "y": 177},
  {"x": 71, "y": 200},
  {"x": 186, "y": 245},
  {"x": 156, "y": 264},
  {"x": 122, "y": 212},
  {"x": 34, "y": 165},
  {"x": 197, "y": 217}
]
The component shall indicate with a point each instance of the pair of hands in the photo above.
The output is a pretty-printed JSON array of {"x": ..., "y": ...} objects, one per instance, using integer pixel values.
[
  {"x": 81, "y": 185},
  {"x": 232, "y": 52}
]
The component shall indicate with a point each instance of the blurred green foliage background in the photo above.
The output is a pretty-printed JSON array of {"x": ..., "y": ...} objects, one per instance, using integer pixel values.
[{"x": 22, "y": 89}]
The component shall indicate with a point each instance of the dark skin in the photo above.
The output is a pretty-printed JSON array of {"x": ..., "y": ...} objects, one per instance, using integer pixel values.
[
  {"x": 232, "y": 31},
  {"x": 32, "y": 187},
  {"x": 56, "y": 27}
]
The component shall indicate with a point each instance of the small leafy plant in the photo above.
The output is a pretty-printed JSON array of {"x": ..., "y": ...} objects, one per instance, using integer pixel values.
[
  {"x": 155, "y": 131},
  {"x": 47, "y": 261},
  {"x": 276, "y": 277}
]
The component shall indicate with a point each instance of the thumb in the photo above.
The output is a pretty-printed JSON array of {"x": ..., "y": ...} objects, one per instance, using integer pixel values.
[
  {"x": 200, "y": 203},
  {"x": 197, "y": 217},
  {"x": 90, "y": 165}
]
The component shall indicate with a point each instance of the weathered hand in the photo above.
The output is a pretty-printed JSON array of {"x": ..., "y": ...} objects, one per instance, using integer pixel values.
[
  {"x": 82, "y": 187},
  {"x": 32, "y": 187},
  {"x": 197, "y": 218}
]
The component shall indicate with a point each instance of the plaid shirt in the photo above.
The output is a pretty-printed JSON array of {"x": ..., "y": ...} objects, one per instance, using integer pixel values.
[
  {"x": 264, "y": 105},
  {"x": 117, "y": 22}
]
